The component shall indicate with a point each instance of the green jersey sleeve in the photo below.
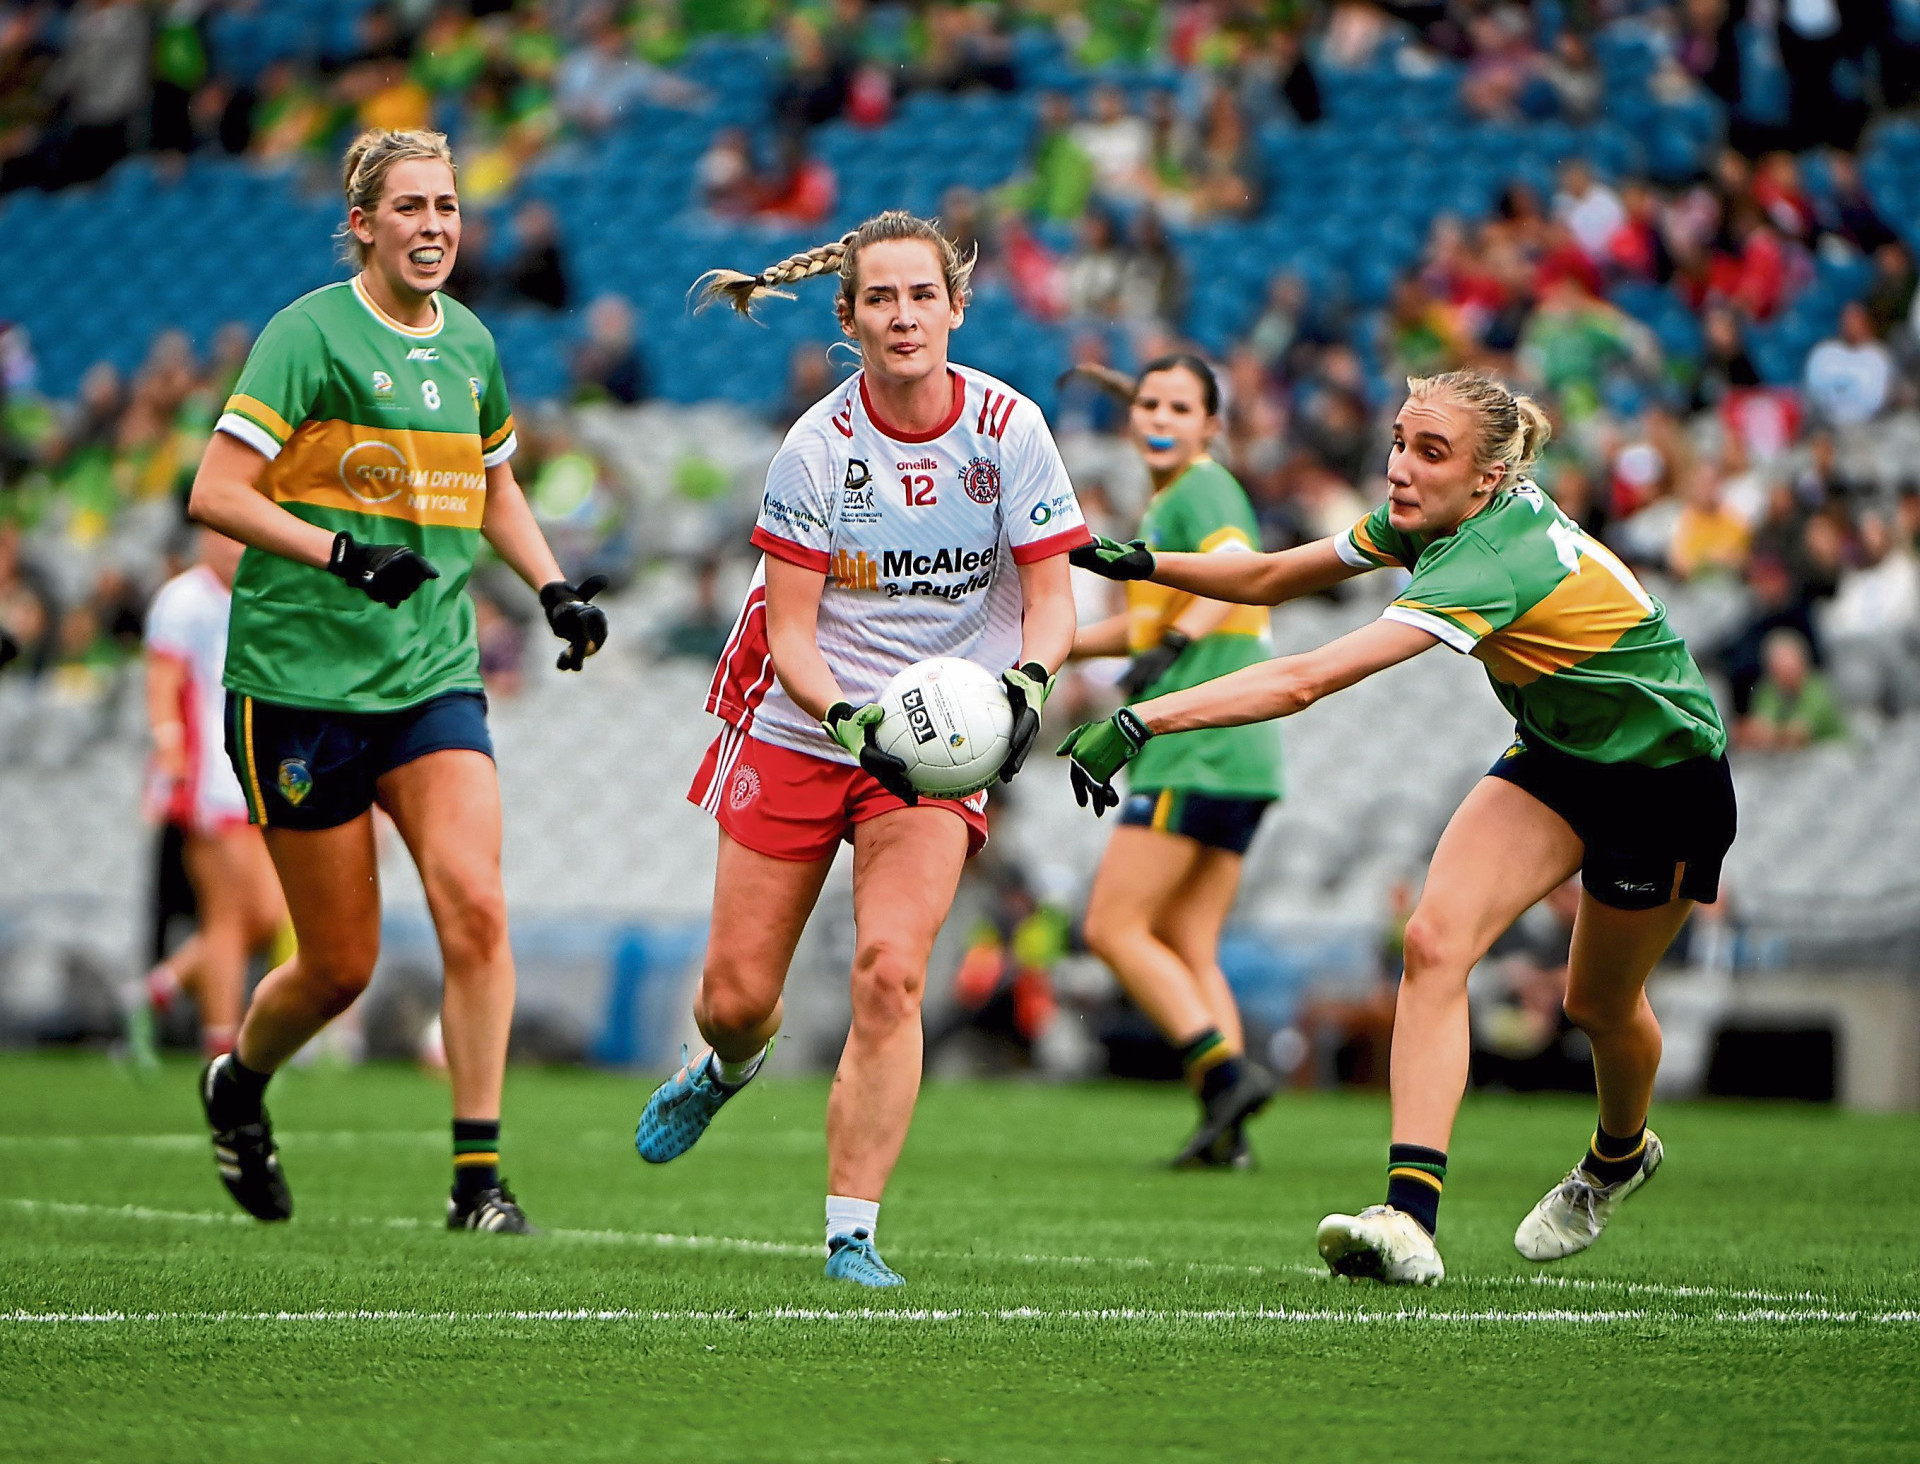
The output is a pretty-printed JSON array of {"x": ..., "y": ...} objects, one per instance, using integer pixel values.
[
  {"x": 497, "y": 439},
  {"x": 284, "y": 375},
  {"x": 1460, "y": 593},
  {"x": 1374, "y": 543}
]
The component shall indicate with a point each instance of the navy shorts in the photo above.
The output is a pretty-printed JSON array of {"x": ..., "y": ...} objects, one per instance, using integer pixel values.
[
  {"x": 1219, "y": 823},
  {"x": 303, "y": 768},
  {"x": 1652, "y": 834}
]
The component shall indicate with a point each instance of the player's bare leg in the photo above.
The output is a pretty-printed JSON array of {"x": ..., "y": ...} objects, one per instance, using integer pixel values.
[
  {"x": 1141, "y": 891},
  {"x": 760, "y": 908},
  {"x": 906, "y": 867},
  {"x": 1614, "y": 951},
  {"x": 241, "y": 908},
  {"x": 446, "y": 806},
  {"x": 1137, "y": 880},
  {"x": 333, "y": 894},
  {"x": 1502, "y": 852}
]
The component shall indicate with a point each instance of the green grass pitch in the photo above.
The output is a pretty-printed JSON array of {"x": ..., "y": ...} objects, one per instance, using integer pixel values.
[{"x": 1067, "y": 1300}]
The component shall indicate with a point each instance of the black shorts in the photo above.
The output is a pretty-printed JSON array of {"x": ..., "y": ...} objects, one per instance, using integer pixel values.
[
  {"x": 1652, "y": 834},
  {"x": 302, "y": 768},
  {"x": 1219, "y": 823}
]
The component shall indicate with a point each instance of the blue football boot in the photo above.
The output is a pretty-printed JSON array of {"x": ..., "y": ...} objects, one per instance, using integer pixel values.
[
  {"x": 680, "y": 1109},
  {"x": 853, "y": 1258}
]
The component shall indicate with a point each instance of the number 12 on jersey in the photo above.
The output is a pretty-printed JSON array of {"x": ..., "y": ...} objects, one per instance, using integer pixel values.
[{"x": 919, "y": 488}]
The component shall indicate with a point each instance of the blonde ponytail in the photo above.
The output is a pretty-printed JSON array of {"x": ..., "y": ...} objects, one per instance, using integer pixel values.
[{"x": 836, "y": 256}]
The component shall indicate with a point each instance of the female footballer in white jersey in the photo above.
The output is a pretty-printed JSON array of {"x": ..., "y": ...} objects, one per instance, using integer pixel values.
[{"x": 891, "y": 513}]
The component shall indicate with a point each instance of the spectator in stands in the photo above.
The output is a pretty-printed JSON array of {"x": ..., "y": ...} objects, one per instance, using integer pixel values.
[
  {"x": 800, "y": 191},
  {"x": 536, "y": 274},
  {"x": 809, "y": 378},
  {"x": 29, "y": 614},
  {"x": 1708, "y": 47},
  {"x": 1222, "y": 184},
  {"x": 1848, "y": 376},
  {"x": 1574, "y": 77},
  {"x": 1095, "y": 275},
  {"x": 1117, "y": 142},
  {"x": 1709, "y": 536},
  {"x": 817, "y": 80},
  {"x": 1153, "y": 286},
  {"x": 607, "y": 366},
  {"x": 1847, "y": 212},
  {"x": 1589, "y": 208},
  {"x": 725, "y": 174},
  {"x": 1724, "y": 363},
  {"x": 1870, "y": 627},
  {"x": 1782, "y": 197},
  {"x": 1294, "y": 77},
  {"x": 965, "y": 50},
  {"x": 1889, "y": 299},
  {"x": 292, "y": 116},
  {"x": 1058, "y": 181},
  {"x": 102, "y": 78},
  {"x": 1793, "y": 706},
  {"x": 1814, "y": 41},
  {"x": 600, "y": 81}
]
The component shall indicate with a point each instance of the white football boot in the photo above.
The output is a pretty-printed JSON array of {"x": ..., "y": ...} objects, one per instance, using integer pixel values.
[
  {"x": 1383, "y": 1243},
  {"x": 1577, "y": 1209}
]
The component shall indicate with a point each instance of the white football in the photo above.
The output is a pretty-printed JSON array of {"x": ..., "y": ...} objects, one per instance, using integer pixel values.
[{"x": 950, "y": 722}]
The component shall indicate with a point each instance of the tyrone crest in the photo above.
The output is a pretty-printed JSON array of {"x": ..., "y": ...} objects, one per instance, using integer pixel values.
[{"x": 981, "y": 479}]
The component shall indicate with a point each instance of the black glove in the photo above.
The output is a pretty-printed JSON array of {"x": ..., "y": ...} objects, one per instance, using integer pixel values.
[
  {"x": 1028, "y": 688},
  {"x": 384, "y": 572},
  {"x": 1113, "y": 559},
  {"x": 582, "y": 626},
  {"x": 9, "y": 647},
  {"x": 1150, "y": 665},
  {"x": 853, "y": 729}
]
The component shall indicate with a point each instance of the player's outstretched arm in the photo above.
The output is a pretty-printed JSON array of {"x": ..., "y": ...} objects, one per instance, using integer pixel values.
[
  {"x": 1242, "y": 579},
  {"x": 1276, "y": 688},
  {"x": 511, "y": 528},
  {"x": 1047, "y": 627}
]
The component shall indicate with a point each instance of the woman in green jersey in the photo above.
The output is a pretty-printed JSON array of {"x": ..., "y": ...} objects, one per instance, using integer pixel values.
[
  {"x": 1172, "y": 869},
  {"x": 1617, "y": 770},
  {"x": 364, "y": 453}
]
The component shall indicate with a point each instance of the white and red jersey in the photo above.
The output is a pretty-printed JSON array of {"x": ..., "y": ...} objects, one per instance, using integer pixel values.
[
  {"x": 918, "y": 534},
  {"x": 188, "y": 624}
]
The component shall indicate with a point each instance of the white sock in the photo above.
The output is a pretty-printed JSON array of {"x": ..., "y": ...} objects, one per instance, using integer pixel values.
[
  {"x": 847, "y": 1216},
  {"x": 733, "y": 1074}
]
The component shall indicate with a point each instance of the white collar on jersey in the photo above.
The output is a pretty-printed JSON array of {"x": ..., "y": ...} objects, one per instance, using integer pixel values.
[{"x": 412, "y": 332}]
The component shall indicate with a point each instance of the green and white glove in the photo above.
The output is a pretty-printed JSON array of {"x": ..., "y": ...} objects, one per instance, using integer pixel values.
[
  {"x": 854, "y": 730},
  {"x": 1114, "y": 560},
  {"x": 1099, "y": 750},
  {"x": 1028, "y": 688}
]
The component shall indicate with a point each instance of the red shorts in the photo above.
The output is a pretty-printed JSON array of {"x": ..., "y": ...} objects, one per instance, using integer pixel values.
[{"x": 790, "y": 805}]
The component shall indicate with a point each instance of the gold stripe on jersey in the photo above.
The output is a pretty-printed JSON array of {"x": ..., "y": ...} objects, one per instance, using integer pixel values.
[
  {"x": 1152, "y": 608},
  {"x": 261, "y": 415},
  {"x": 1471, "y": 621},
  {"x": 430, "y": 478},
  {"x": 1583, "y": 615},
  {"x": 1226, "y": 534},
  {"x": 488, "y": 444},
  {"x": 1364, "y": 543}
]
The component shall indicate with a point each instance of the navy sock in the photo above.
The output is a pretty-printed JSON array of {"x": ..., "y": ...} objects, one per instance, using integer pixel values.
[
  {"x": 1414, "y": 1179},
  {"x": 476, "y": 1156},
  {"x": 1610, "y": 1159},
  {"x": 1209, "y": 1065}
]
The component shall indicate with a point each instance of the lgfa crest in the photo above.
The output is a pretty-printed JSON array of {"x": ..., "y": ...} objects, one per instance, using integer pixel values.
[{"x": 981, "y": 479}]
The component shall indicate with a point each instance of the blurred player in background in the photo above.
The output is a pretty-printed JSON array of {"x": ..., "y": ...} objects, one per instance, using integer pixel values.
[
  {"x": 241, "y": 908},
  {"x": 362, "y": 456},
  {"x": 1172, "y": 869},
  {"x": 890, "y": 514},
  {"x": 1617, "y": 771}
]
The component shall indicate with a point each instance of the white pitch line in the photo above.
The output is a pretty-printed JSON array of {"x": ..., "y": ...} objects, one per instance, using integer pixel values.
[
  {"x": 668, "y": 1240},
  {"x": 1121, "y": 1316}
]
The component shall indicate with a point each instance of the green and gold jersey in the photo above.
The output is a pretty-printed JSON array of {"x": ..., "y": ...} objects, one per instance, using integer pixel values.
[
  {"x": 385, "y": 431},
  {"x": 1203, "y": 511},
  {"x": 1577, "y": 651}
]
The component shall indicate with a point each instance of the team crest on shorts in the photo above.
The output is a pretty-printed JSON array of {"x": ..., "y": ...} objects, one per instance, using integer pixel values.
[
  {"x": 981, "y": 479},
  {"x": 746, "y": 788},
  {"x": 295, "y": 781}
]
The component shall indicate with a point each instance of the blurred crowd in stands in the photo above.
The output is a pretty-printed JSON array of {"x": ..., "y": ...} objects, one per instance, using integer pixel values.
[{"x": 1678, "y": 447}]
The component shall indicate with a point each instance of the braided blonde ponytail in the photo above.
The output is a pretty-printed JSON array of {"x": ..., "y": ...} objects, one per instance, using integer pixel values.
[
  {"x": 1508, "y": 429},
  {"x": 742, "y": 290},
  {"x": 837, "y": 256}
]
